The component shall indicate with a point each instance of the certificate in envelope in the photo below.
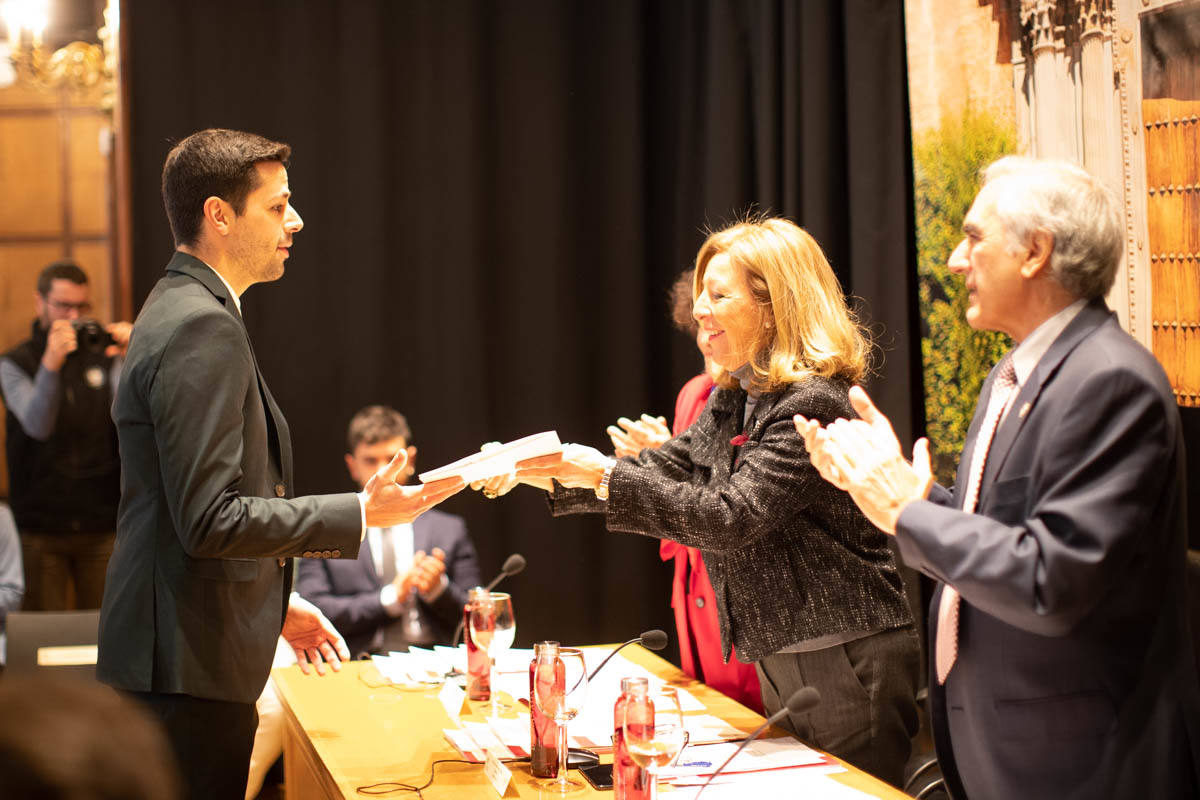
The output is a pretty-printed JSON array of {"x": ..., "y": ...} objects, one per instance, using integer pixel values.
[{"x": 499, "y": 460}]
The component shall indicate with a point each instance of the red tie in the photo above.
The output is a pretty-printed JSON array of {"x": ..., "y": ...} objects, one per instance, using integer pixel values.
[{"x": 1004, "y": 388}]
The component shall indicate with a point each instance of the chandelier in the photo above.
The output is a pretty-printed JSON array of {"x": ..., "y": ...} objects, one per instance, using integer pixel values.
[{"x": 76, "y": 66}]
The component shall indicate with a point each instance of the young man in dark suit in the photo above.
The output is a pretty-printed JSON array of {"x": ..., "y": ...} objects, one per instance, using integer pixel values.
[
  {"x": 197, "y": 591},
  {"x": 1062, "y": 663},
  {"x": 409, "y": 582}
]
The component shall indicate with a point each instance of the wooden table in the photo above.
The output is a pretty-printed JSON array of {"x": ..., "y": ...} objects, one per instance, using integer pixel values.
[{"x": 343, "y": 734}]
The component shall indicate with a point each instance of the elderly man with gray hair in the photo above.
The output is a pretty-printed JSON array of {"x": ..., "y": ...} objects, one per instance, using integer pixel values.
[{"x": 1062, "y": 665}]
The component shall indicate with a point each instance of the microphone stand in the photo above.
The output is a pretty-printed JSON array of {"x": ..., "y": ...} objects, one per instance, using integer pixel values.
[
  {"x": 804, "y": 699},
  {"x": 652, "y": 640},
  {"x": 608, "y": 658}
]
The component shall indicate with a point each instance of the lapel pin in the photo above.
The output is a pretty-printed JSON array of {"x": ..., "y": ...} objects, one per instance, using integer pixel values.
[{"x": 1024, "y": 410}]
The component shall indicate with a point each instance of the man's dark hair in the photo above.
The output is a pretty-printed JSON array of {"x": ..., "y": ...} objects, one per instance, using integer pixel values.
[
  {"x": 213, "y": 163},
  {"x": 65, "y": 270},
  {"x": 63, "y": 738},
  {"x": 376, "y": 424},
  {"x": 682, "y": 303}
]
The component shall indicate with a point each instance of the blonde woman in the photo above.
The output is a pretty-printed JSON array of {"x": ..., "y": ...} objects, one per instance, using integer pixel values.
[{"x": 806, "y": 587}]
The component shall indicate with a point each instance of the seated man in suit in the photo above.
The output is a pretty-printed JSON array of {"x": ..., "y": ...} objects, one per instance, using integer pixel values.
[{"x": 410, "y": 582}]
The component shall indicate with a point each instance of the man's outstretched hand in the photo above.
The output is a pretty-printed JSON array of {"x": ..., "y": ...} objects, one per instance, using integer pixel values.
[{"x": 388, "y": 503}]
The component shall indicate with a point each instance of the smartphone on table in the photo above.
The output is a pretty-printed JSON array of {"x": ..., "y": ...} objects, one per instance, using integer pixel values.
[{"x": 598, "y": 775}]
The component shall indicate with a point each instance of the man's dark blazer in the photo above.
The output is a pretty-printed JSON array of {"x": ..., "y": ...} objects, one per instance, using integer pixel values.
[
  {"x": 348, "y": 591},
  {"x": 197, "y": 585},
  {"x": 1075, "y": 676}
]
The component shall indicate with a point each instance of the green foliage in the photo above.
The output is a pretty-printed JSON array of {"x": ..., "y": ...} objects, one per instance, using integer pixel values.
[{"x": 946, "y": 162}]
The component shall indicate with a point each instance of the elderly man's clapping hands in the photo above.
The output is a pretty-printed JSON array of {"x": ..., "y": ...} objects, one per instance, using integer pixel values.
[{"x": 863, "y": 457}]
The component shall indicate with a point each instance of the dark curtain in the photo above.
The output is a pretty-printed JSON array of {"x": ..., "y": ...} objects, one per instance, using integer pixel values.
[{"x": 497, "y": 197}]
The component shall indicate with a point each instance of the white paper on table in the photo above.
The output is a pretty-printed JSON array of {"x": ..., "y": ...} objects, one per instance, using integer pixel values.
[
  {"x": 456, "y": 657},
  {"x": 595, "y": 723},
  {"x": 811, "y": 783},
  {"x": 415, "y": 668},
  {"x": 452, "y": 698},
  {"x": 709, "y": 728},
  {"x": 389, "y": 669},
  {"x": 764, "y": 754},
  {"x": 514, "y": 732},
  {"x": 487, "y": 739},
  {"x": 512, "y": 684},
  {"x": 607, "y": 685},
  {"x": 513, "y": 660},
  {"x": 499, "y": 460},
  {"x": 463, "y": 743}
]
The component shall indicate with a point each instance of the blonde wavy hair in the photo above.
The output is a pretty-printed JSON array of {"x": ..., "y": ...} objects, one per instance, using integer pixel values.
[{"x": 805, "y": 326}]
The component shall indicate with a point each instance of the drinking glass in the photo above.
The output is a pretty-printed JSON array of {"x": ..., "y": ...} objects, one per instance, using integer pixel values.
[
  {"x": 655, "y": 744},
  {"x": 493, "y": 627},
  {"x": 563, "y": 707}
]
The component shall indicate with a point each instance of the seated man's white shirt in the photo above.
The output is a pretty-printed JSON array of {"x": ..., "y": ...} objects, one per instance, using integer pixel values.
[{"x": 402, "y": 545}]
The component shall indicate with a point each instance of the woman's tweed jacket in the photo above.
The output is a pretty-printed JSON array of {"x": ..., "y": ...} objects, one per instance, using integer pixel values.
[{"x": 790, "y": 557}]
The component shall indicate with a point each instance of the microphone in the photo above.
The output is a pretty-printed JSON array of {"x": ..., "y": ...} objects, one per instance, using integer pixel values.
[
  {"x": 802, "y": 700},
  {"x": 512, "y": 565},
  {"x": 651, "y": 640}
]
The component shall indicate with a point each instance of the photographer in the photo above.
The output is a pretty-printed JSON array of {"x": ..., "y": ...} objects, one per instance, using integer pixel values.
[{"x": 64, "y": 469}]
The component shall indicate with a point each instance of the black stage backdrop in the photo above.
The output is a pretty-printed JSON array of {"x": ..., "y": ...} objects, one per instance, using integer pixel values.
[{"x": 497, "y": 196}]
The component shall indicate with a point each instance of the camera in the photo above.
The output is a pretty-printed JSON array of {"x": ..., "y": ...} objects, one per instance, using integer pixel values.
[{"x": 91, "y": 336}]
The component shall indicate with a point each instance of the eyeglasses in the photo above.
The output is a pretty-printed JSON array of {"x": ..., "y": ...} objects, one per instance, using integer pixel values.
[{"x": 64, "y": 308}]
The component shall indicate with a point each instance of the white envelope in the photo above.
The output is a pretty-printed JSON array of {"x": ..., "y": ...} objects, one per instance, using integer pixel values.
[{"x": 499, "y": 460}]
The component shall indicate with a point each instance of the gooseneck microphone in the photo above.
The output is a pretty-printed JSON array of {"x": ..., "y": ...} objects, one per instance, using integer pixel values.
[
  {"x": 512, "y": 565},
  {"x": 802, "y": 700},
  {"x": 651, "y": 640}
]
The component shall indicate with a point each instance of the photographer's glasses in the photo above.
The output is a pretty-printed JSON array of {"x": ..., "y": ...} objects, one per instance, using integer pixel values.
[{"x": 66, "y": 308}]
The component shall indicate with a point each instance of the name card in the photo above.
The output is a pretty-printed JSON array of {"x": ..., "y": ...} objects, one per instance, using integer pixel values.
[
  {"x": 452, "y": 698},
  {"x": 498, "y": 774}
]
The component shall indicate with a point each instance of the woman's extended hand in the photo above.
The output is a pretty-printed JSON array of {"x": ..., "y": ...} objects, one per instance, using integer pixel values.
[
  {"x": 632, "y": 437},
  {"x": 503, "y": 484},
  {"x": 577, "y": 466}
]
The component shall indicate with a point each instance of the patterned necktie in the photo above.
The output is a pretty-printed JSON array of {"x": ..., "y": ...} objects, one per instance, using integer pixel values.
[{"x": 1004, "y": 388}]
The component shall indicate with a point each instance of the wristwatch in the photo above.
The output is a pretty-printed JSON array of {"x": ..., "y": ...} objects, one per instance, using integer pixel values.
[{"x": 602, "y": 489}]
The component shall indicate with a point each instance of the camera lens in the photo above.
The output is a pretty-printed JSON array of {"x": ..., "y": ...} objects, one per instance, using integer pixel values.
[{"x": 91, "y": 336}]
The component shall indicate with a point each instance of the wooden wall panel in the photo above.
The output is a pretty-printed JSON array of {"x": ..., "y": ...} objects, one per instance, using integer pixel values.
[
  {"x": 55, "y": 202},
  {"x": 31, "y": 164},
  {"x": 95, "y": 257},
  {"x": 89, "y": 175},
  {"x": 21, "y": 264},
  {"x": 1173, "y": 225},
  {"x": 19, "y": 97}
]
